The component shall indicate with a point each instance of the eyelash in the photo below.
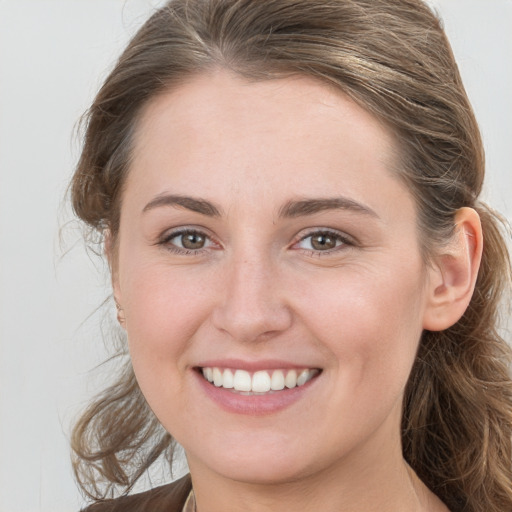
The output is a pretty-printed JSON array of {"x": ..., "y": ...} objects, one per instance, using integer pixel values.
[
  {"x": 344, "y": 240},
  {"x": 166, "y": 241}
]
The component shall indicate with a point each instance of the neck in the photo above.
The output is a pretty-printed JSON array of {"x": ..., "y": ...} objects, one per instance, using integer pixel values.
[{"x": 384, "y": 485}]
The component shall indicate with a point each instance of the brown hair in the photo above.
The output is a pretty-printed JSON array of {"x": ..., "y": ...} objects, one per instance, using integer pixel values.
[{"x": 393, "y": 58}]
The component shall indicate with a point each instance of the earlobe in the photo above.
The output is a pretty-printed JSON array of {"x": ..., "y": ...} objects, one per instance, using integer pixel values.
[
  {"x": 120, "y": 313},
  {"x": 453, "y": 277}
]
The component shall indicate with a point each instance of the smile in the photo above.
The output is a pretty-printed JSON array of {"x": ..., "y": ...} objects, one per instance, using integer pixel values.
[{"x": 262, "y": 381}]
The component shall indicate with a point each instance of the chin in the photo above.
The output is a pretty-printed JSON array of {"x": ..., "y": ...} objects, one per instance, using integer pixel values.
[
  {"x": 273, "y": 470},
  {"x": 259, "y": 460}
]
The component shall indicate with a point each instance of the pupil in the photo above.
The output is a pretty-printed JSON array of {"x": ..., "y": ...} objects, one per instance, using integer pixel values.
[
  {"x": 323, "y": 242},
  {"x": 192, "y": 241}
]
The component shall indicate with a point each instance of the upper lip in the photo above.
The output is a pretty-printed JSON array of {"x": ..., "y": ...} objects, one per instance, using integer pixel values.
[{"x": 254, "y": 366}]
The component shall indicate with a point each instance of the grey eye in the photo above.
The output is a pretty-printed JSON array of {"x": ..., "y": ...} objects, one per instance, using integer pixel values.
[
  {"x": 188, "y": 240},
  {"x": 323, "y": 242},
  {"x": 192, "y": 241}
]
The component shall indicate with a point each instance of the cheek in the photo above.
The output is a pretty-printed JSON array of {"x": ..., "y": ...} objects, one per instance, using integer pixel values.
[
  {"x": 371, "y": 322},
  {"x": 163, "y": 311}
]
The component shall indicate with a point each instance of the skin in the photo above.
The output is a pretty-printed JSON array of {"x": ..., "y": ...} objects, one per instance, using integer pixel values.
[{"x": 258, "y": 290}]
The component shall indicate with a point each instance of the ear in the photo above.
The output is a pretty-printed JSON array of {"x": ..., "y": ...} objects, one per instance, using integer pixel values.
[
  {"x": 453, "y": 276},
  {"x": 110, "y": 252},
  {"x": 111, "y": 255}
]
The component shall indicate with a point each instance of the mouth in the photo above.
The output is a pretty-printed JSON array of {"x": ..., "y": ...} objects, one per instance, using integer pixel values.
[{"x": 260, "y": 382}]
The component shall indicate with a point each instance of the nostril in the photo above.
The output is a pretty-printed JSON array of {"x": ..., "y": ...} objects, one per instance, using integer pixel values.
[{"x": 252, "y": 322}]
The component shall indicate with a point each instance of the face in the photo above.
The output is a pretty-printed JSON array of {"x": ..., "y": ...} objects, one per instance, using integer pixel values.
[{"x": 266, "y": 244}]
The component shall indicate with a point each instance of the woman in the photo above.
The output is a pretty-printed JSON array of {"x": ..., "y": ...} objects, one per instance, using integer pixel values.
[{"x": 309, "y": 284}]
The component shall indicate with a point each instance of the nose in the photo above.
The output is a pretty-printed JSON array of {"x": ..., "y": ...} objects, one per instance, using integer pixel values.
[{"x": 253, "y": 305}]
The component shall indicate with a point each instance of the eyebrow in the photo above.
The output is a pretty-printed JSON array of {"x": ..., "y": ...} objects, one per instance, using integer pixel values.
[
  {"x": 292, "y": 209},
  {"x": 190, "y": 203},
  {"x": 315, "y": 205}
]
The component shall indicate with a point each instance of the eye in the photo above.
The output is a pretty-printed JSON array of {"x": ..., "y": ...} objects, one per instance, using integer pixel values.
[
  {"x": 191, "y": 240},
  {"x": 323, "y": 241},
  {"x": 187, "y": 241}
]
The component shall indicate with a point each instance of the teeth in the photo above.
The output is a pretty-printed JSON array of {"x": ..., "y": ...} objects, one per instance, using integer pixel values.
[
  {"x": 277, "y": 382},
  {"x": 208, "y": 374},
  {"x": 242, "y": 381},
  {"x": 261, "y": 381},
  {"x": 290, "y": 381},
  {"x": 229, "y": 380},
  {"x": 302, "y": 378},
  {"x": 217, "y": 377}
]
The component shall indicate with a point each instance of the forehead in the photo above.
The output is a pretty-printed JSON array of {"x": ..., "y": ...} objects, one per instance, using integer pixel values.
[{"x": 295, "y": 135}]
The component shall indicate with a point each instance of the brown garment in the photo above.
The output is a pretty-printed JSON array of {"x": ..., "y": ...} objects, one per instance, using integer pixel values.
[{"x": 167, "y": 498}]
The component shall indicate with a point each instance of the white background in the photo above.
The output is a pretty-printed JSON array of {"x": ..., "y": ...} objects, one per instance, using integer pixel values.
[{"x": 53, "y": 56}]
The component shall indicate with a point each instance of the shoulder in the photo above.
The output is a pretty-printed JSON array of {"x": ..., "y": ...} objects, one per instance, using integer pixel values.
[{"x": 167, "y": 498}]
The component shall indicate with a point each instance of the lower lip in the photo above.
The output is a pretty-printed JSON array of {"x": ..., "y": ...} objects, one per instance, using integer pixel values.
[{"x": 253, "y": 405}]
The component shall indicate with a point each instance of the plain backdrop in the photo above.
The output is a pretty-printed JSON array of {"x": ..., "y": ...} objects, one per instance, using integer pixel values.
[{"x": 53, "y": 57}]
